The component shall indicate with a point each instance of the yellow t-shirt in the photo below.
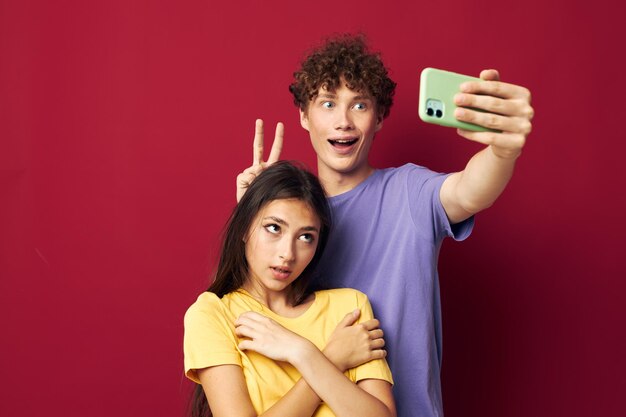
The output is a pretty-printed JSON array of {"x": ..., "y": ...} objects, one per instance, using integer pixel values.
[{"x": 210, "y": 340}]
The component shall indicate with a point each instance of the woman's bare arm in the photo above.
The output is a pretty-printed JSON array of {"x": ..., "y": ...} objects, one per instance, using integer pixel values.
[
  {"x": 265, "y": 336},
  {"x": 227, "y": 394},
  {"x": 349, "y": 345}
]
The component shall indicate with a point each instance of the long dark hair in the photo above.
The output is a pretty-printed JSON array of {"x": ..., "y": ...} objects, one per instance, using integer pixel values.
[{"x": 282, "y": 180}]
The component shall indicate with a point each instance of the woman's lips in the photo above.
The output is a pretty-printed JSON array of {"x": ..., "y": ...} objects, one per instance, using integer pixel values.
[{"x": 280, "y": 273}]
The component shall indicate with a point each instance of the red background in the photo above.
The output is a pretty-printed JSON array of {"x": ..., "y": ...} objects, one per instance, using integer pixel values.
[{"x": 124, "y": 123}]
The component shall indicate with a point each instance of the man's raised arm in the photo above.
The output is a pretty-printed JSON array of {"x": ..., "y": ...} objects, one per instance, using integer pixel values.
[{"x": 507, "y": 110}]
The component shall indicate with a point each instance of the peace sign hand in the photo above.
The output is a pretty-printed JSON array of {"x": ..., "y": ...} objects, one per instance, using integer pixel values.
[{"x": 249, "y": 174}]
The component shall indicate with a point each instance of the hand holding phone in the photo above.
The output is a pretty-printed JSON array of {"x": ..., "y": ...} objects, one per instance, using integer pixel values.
[{"x": 436, "y": 98}]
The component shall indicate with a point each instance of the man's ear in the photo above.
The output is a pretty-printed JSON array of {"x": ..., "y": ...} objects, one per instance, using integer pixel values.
[{"x": 304, "y": 120}]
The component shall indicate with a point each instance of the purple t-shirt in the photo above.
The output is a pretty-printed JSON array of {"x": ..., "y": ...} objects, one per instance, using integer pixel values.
[{"x": 385, "y": 241}]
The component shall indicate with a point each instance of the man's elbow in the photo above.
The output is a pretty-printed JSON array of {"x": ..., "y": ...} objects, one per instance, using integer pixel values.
[{"x": 473, "y": 205}]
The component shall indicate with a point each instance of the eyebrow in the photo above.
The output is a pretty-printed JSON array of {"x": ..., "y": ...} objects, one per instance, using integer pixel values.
[
  {"x": 281, "y": 221},
  {"x": 355, "y": 98}
]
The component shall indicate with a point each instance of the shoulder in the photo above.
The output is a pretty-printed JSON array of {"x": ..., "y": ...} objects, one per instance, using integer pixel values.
[
  {"x": 345, "y": 297},
  {"x": 341, "y": 301},
  {"x": 408, "y": 177},
  {"x": 410, "y": 171},
  {"x": 208, "y": 304},
  {"x": 206, "y": 300}
]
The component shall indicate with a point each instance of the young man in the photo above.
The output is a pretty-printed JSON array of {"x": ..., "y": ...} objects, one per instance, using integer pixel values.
[{"x": 389, "y": 224}]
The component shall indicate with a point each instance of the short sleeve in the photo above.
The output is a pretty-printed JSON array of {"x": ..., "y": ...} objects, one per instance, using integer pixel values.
[
  {"x": 424, "y": 187},
  {"x": 375, "y": 369},
  {"x": 209, "y": 336}
]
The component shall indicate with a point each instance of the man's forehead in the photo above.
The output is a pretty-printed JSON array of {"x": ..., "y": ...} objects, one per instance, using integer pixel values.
[{"x": 325, "y": 91}]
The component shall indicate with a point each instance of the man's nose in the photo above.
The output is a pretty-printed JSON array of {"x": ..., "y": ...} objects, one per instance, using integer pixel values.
[{"x": 344, "y": 120}]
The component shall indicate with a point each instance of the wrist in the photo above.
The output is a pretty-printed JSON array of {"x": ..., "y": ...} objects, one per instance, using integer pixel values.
[
  {"x": 334, "y": 357},
  {"x": 505, "y": 154},
  {"x": 303, "y": 352}
]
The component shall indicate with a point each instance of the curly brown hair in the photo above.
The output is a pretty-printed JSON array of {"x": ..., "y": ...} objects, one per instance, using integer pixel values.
[{"x": 346, "y": 58}]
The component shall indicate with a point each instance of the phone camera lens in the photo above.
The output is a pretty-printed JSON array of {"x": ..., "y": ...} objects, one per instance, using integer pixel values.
[
  {"x": 429, "y": 111},
  {"x": 439, "y": 114}
]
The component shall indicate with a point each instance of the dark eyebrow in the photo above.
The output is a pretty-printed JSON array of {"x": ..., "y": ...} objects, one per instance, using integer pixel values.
[
  {"x": 277, "y": 220},
  {"x": 282, "y": 222},
  {"x": 355, "y": 98}
]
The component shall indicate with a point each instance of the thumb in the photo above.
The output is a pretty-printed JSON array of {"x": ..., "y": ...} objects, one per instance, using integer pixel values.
[
  {"x": 350, "y": 318},
  {"x": 490, "y": 75}
]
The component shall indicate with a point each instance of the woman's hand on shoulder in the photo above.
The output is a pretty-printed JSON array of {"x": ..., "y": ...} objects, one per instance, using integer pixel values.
[
  {"x": 263, "y": 335},
  {"x": 351, "y": 344}
]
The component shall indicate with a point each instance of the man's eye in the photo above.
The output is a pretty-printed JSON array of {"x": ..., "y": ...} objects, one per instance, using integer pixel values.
[
  {"x": 307, "y": 237},
  {"x": 328, "y": 104},
  {"x": 360, "y": 106},
  {"x": 272, "y": 228}
]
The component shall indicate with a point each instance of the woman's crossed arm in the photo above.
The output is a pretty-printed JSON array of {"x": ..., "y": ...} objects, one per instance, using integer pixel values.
[{"x": 322, "y": 378}]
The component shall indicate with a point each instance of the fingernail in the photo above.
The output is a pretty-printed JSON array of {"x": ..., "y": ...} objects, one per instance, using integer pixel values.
[
  {"x": 459, "y": 98},
  {"x": 464, "y": 87},
  {"x": 459, "y": 112}
]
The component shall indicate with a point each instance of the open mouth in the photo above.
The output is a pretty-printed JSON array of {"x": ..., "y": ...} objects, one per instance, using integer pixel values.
[
  {"x": 280, "y": 273},
  {"x": 343, "y": 143}
]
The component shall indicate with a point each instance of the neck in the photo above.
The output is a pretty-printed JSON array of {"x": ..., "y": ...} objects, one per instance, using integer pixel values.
[
  {"x": 280, "y": 302},
  {"x": 267, "y": 298},
  {"x": 336, "y": 183}
]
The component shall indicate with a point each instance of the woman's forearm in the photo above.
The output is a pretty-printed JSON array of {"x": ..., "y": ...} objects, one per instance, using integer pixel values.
[
  {"x": 321, "y": 378},
  {"x": 227, "y": 394},
  {"x": 344, "y": 397},
  {"x": 299, "y": 401}
]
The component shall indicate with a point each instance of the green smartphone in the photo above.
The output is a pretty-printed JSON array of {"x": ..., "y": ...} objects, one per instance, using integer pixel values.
[{"x": 436, "y": 101}]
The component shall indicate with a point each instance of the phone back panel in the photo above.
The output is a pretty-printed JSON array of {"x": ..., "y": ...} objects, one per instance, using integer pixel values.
[{"x": 436, "y": 98}]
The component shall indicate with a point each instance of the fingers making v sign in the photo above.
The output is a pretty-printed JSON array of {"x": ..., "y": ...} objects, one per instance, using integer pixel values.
[{"x": 258, "y": 165}]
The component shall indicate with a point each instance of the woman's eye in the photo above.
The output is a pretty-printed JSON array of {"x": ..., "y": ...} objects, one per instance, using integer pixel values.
[
  {"x": 328, "y": 104},
  {"x": 307, "y": 237},
  {"x": 272, "y": 228}
]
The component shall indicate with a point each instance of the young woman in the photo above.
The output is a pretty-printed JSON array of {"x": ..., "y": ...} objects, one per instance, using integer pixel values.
[{"x": 259, "y": 342}]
